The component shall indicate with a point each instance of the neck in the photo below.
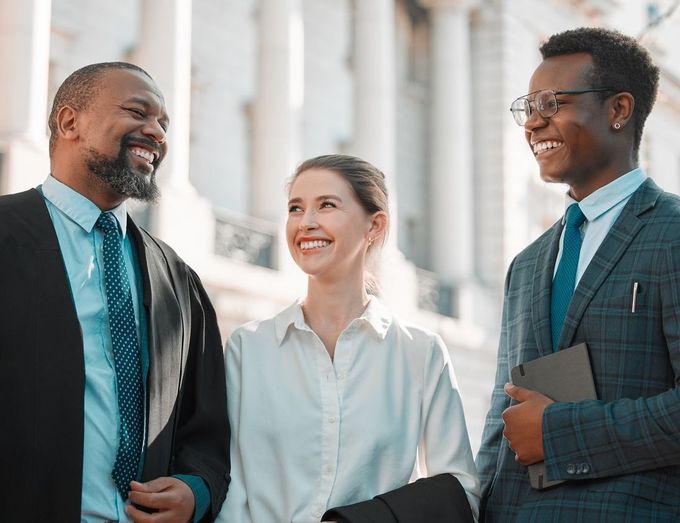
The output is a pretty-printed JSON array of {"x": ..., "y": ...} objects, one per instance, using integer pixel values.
[
  {"x": 91, "y": 187},
  {"x": 334, "y": 304},
  {"x": 579, "y": 191}
]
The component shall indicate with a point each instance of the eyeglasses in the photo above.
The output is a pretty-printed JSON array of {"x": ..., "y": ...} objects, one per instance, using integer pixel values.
[{"x": 545, "y": 102}]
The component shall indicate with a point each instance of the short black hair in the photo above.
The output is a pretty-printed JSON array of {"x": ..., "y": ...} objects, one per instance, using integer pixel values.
[
  {"x": 79, "y": 89},
  {"x": 620, "y": 63}
]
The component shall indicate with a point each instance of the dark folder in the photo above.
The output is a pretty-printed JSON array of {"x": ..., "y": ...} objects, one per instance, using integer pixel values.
[{"x": 563, "y": 376}]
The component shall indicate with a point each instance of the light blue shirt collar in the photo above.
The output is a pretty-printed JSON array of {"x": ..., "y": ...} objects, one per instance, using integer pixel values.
[
  {"x": 78, "y": 208},
  {"x": 596, "y": 204}
]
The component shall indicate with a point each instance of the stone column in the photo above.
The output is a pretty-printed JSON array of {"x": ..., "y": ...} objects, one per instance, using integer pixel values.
[
  {"x": 24, "y": 55},
  {"x": 276, "y": 113},
  {"x": 164, "y": 51},
  {"x": 278, "y": 103},
  {"x": 451, "y": 196},
  {"x": 375, "y": 87},
  {"x": 181, "y": 218}
]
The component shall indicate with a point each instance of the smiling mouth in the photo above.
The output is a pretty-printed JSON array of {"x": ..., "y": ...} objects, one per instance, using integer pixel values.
[
  {"x": 316, "y": 244},
  {"x": 544, "y": 146},
  {"x": 146, "y": 155}
]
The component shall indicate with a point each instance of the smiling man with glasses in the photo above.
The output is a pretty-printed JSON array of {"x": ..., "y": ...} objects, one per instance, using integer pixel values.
[{"x": 607, "y": 274}]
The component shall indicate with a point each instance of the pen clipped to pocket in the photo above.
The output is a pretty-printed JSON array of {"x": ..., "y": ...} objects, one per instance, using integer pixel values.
[{"x": 636, "y": 289}]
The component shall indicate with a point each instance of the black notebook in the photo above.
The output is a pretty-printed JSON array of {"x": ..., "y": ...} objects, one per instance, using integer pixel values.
[{"x": 563, "y": 376}]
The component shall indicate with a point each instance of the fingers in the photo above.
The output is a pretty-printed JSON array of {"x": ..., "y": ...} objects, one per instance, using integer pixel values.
[
  {"x": 138, "y": 516},
  {"x": 170, "y": 496},
  {"x": 155, "y": 485},
  {"x": 158, "y": 493},
  {"x": 517, "y": 393}
]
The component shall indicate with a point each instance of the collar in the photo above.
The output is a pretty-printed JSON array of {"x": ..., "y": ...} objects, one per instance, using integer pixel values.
[
  {"x": 79, "y": 209},
  {"x": 375, "y": 316},
  {"x": 596, "y": 204}
]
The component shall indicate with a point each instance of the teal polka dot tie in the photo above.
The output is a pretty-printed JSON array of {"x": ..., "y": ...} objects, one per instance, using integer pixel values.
[
  {"x": 126, "y": 355},
  {"x": 565, "y": 277}
]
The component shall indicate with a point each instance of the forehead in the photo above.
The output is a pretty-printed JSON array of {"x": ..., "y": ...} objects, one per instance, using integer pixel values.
[
  {"x": 315, "y": 181},
  {"x": 120, "y": 85},
  {"x": 568, "y": 71}
]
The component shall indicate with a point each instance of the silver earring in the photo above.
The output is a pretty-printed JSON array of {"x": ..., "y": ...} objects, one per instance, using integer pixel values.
[
  {"x": 617, "y": 125},
  {"x": 370, "y": 242}
]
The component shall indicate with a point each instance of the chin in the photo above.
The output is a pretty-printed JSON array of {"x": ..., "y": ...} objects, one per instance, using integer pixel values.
[{"x": 550, "y": 177}]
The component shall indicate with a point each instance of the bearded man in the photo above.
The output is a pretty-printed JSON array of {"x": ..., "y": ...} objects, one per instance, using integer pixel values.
[{"x": 111, "y": 369}]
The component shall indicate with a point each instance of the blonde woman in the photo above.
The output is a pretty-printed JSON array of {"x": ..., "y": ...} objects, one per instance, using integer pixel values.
[{"x": 334, "y": 401}]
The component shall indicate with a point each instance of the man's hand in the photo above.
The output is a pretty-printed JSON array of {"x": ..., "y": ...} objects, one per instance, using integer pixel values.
[
  {"x": 524, "y": 423},
  {"x": 170, "y": 497}
]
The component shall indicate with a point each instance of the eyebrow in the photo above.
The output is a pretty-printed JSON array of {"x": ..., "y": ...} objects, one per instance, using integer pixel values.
[
  {"x": 318, "y": 198},
  {"x": 145, "y": 103}
]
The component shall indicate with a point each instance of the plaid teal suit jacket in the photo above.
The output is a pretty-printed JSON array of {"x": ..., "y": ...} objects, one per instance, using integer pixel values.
[{"x": 621, "y": 453}]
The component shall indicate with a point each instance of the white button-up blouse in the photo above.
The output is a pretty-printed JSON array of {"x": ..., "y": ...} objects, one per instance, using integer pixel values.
[{"x": 310, "y": 433}]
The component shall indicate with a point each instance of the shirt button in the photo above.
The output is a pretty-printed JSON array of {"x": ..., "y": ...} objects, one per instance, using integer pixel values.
[
  {"x": 341, "y": 376},
  {"x": 329, "y": 469},
  {"x": 317, "y": 514},
  {"x": 331, "y": 419}
]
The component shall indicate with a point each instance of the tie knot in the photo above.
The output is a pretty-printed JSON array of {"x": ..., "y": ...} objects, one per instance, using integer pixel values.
[
  {"x": 575, "y": 216},
  {"x": 106, "y": 223}
]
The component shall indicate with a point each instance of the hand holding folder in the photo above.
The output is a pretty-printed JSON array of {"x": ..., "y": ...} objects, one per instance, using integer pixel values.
[{"x": 564, "y": 376}]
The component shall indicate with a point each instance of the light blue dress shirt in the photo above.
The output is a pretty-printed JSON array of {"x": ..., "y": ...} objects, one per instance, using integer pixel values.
[
  {"x": 74, "y": 216},
  {"x": 80, "y": 243},
  {"x": 601, "y": 210}
]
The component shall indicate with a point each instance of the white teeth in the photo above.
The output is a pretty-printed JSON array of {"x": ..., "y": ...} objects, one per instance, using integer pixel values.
[
  {"x": 539, "y": 147},
  {"x": 314, "y": 244},
  {"x": 142, "y": 153}
]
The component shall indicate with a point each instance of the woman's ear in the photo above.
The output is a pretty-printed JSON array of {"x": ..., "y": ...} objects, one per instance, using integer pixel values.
[{"x": 378, "y": 228}]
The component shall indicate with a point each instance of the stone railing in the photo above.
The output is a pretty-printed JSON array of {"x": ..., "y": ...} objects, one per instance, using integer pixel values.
[{"x": 245, "y": 239}]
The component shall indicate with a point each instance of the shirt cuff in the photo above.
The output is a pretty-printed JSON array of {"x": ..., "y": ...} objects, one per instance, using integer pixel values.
[{"x": 201, "y": 494}]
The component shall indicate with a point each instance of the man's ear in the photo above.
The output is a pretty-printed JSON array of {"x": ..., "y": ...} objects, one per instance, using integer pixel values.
[
  {"x": 621, "y": 109},
  {"x": 67, "y": 123}
]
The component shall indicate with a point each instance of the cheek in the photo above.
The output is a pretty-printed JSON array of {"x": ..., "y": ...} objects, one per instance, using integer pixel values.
[{"x": 291, "y": 231}]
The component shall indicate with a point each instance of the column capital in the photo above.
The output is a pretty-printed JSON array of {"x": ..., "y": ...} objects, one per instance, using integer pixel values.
[{"x": 463, "y": 5}]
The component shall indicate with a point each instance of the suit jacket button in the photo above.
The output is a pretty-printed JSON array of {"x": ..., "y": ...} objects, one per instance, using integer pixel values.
[
  {"x": 571, "y": 468},
  {"x": 585, "y": 468}
]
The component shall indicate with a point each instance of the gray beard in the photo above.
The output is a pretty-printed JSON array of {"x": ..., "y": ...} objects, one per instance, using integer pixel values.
[{"x": 117, "y": 176}]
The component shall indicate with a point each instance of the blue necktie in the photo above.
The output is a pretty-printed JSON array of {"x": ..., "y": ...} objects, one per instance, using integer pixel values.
[
  {"x": 565, "y": 277},
  {"x": 126, "y": 355}
]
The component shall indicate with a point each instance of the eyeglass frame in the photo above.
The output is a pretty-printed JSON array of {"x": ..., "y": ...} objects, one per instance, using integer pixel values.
[{"x": 557, "y": 103}]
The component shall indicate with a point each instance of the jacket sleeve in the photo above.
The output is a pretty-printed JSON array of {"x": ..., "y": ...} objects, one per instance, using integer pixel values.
[
  {"x": 487, "y": 457},
  {"x": 597, "y": 439},
  {"x": 202, "y": 433},
  {"x": 439, "y": 498}
]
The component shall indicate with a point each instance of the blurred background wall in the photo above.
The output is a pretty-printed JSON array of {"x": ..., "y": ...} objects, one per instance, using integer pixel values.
[{"x": 421, "y": 88}]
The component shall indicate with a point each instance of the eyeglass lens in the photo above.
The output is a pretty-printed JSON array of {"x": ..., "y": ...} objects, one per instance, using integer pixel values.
[{"x": 544, "y": 102}]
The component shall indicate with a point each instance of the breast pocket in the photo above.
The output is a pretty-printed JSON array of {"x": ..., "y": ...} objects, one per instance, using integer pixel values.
[{"x": 623, "y": 314}]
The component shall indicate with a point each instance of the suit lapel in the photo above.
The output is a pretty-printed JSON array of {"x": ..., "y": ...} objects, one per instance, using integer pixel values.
[
  {"x": 165, "y": 343},
  {"x": 542, "y": 284},
  {"x": 615, "y": 244}
]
